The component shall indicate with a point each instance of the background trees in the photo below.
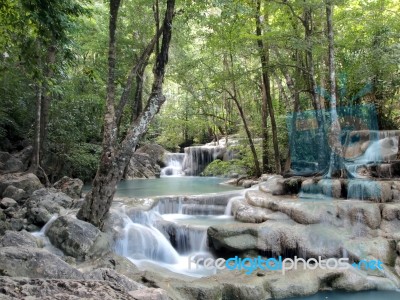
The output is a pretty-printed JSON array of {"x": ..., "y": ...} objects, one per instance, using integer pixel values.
[{"x": 221, "y": 51}]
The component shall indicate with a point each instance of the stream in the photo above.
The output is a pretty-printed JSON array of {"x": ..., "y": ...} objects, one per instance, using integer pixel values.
[
  {"x": 176, "y": 227},
  {"x": 168, "y": 233}
]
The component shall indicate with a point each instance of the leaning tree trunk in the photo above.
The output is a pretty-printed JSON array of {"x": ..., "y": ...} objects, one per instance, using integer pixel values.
[{"x": 114, "y": 157}]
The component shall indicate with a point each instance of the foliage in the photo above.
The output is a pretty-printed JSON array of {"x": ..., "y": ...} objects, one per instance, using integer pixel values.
[
  {"x": 225, "y": 168},
  {"x": 214, "y": 46},
  {"x": 82, "y": 162}
]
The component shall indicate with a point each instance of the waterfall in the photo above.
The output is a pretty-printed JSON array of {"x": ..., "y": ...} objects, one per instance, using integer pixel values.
[
  {"x": 228, "y": 209},
  {"x": 144, "y": 241},
  {"x": 198, "y": 157},
  {"x": 174, "y": 162},
  {"x": 171, "y": 231},
  {"x": 382, "y": 147},
  {"x": 363, "y": 189}
]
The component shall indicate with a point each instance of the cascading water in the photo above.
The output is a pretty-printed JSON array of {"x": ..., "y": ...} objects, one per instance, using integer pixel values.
[
  {"x": 382, "y": 147},
  {"x": 141, "y": 240},
  {"x": 174, "y": 162},
  {"x": 171, "y": 231},
  {"x": 198, "y": 157}
]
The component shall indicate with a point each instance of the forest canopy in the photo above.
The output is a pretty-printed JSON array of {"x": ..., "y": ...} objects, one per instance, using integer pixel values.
[{"x": 236, "y": 68}]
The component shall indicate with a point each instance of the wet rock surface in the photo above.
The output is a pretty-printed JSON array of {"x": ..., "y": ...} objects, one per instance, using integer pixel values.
[{"x": 74, "y": 237}]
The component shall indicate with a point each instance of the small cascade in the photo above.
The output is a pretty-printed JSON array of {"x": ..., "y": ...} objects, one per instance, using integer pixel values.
[
  {"x": 207, "y": 205},
  {"x": 228, "y": 209},
  {"x": 363, "y": 190},
  {"x": 203, "y": 209},
  {"x": 189, "y": 240},
  {"x": 198, "y": 157},
  {"x": 169, "y": 205},
  {"x": 382, "y": 147},
  {"x": 174, "y": 162},
  {"x": 143, "y": 241},
  {"x": 171, "y": 230},
  {"x": 41, "y": 235}
]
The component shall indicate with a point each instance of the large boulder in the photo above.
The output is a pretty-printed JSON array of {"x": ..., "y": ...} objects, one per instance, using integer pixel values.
[
  {"x": 46, "y": 202},
  {"x": 27, "y": 182},
  {"x": 74, "y": 237},
  {"x": 274, "y": 185},
  {"x": 8, "y": 203},
  {"x": 34, "y": 263},
  {"x": 155, "y": 152},
  {"x": 15, "y": 193},
  {"x": 12, "y": 165},
  {"x": 142, "y": 165},
  {"x": 69, "y": 186},
  {"x": 18, "y": 239}
]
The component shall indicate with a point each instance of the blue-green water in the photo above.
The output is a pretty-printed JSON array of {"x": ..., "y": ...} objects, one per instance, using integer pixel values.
[
  {"x": 164, "y": 186},
  {"x": 365, "y": 295}
]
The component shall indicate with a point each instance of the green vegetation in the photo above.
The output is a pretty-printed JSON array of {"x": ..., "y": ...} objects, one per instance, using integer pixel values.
[{"x": 55, "y": 53}]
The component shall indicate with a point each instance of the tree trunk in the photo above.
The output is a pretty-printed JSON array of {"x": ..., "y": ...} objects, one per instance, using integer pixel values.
[
  {"x": 235, "y": 99},
  {"x": 137, "y": 106},
  {"x": 335, "y": 130},
  {"x": 267, "y": 106},
  {"x": 35, "y": 161},
  {"x": 46, "y": 98},
  {"x": 135, "y": 71},
  {"x": 114, "y": 157}
]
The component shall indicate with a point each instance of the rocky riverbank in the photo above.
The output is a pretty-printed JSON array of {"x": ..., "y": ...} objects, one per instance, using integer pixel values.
[{"x": 77, "y": 261}]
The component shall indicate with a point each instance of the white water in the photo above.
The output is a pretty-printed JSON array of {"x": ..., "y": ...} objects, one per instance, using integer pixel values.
[
  {"x": 378, "y": 152},
  {"x": 228, "y": 209},
  {"x": 174, "y": 165},
  {"x": 198, "y": 157},
  {"x": 144, "y": 241},
  {"x": 41, "y": 235},
  {"x": 171, "y": 232}
]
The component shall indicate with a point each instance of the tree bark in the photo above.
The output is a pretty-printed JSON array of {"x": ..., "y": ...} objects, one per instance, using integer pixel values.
[
  {"x": 114, "y": 157},
  {"x": 46, "y": 98},
  {"x": 35, "y": 161},
  {"x": 135, "y": 71},
  {"x": 137, "y": 105},
  {"x": 335, "y": 130}
]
